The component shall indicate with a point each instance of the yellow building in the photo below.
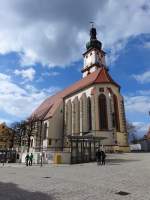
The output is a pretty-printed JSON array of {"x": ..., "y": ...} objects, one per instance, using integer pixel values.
[{"x": 6, "y": 137}]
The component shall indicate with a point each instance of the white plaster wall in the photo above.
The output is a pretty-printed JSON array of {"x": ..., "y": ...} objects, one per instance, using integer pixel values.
[
  {"x": 87, "y": 91},
  {"x": 92, "y": 57},
  {"x": 93, "y": 69},
  {"x": 85, "y": 74},
  {"x": 79, "y": 95}
]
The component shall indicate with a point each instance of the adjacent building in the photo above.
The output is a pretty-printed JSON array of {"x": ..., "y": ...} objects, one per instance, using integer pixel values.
[
  {"x": 145, "y": 142},
  {"x": 6, "y": 137}
]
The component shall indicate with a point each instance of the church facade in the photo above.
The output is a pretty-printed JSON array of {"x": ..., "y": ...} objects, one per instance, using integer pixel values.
[{"x": 87, "y": 114}]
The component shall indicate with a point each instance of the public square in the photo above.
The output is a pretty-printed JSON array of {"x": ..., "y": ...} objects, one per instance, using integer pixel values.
[{"x": 129, "y": 173}]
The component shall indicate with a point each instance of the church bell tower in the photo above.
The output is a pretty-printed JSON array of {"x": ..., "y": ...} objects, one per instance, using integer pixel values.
[{"x": 94, "y": 57}]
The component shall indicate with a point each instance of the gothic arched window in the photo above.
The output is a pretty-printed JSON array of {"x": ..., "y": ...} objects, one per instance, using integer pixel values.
[
  {"x": 69, "y": 117},
  {"x": 89, "y": 113},
  {"x": 103, "y": 121},
  {"x": 45, "y": 131},
  {"x": 116, "y": 113}
]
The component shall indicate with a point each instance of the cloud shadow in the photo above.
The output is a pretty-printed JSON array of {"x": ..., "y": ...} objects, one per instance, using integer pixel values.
[{"x": 10, "y": 191}]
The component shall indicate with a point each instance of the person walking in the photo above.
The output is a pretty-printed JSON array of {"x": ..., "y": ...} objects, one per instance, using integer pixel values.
[
  {"x": 103, "y": 155},
  {"x": 98, "y": 157},
  {"x": 31, "y": 159},
  {"x": 27, "y": 159}
]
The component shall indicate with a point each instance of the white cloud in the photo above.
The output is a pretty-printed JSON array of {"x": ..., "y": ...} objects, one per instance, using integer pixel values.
[
  {"x": 5, "y": 120},
  {"x": 142, "y": 78},
  {"x": 147, "y": 45},
  {"x": 55, "y": 32},
  {"x": 142, "y": 127},
  {"x": 137, "y": 104},
  {"x": 50, "y": 73},
  {"x": 4, "y": 77},
  {"x": 18, "y": 101},
  {"x": 144, "y": 92},
  {"x": 26, "y": 73}
]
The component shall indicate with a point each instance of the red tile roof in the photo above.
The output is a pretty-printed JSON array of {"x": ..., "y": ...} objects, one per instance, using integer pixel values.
[{"x": 48, "y": 107}]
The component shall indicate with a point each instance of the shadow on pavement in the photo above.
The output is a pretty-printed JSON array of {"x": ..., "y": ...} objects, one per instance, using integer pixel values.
[{"x": 10, "y": 191}]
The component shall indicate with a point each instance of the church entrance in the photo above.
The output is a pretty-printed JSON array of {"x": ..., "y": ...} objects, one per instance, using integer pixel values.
[{"x": 83, "y": 148}]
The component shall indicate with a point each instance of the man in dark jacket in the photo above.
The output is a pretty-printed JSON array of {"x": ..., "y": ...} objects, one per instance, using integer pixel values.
[
  {"x": 98, "y": 157},
  {"x": 31, "y": 159},
  {"x": 103, "y": 155},
  {"x": 27, "y": 159}
]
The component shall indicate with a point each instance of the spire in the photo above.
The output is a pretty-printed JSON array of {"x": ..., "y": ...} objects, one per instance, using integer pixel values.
[
  {"x": 93, "y": 43},
  {"x": 94, "y": 57},
  {"x": 93, "y": 32}
]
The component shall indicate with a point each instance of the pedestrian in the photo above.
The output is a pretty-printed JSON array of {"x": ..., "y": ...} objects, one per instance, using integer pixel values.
[
  {"x": 31, "y": 159},
  {"x": 103, "y": 155},
  {"x": 27, "y": 159},
  {"x": 98, "y": 157},
  {"x": 41, "y": 159}
]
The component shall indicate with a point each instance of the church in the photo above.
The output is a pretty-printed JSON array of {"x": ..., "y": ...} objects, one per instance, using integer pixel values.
[{"x": 85, "y": 116}]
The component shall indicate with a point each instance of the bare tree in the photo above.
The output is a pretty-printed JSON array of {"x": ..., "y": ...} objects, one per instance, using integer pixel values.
[
  {"x": 132, "y": 132},
  {"x": 30, "y": 130},
  {"x": 18, "y": 130}
]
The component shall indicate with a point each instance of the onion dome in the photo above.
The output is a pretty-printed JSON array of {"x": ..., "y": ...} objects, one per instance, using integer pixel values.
[{"x": 93, "y": 43}]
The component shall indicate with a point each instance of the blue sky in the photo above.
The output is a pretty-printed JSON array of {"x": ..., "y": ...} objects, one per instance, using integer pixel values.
[{"x": 42, "y": 44}]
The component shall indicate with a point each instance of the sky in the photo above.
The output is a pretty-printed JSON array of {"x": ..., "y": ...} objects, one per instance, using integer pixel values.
[{"x": 41, "y": 47}]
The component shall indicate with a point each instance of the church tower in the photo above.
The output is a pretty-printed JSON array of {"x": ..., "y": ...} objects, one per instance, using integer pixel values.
[{"x": 94, "y": 57}]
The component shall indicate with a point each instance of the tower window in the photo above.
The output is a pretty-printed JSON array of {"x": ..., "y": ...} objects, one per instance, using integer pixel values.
[
  {"x": 103, "y": 121},
  {"x": 90, "y": 54},
  {"x": 87, "y": 56}
]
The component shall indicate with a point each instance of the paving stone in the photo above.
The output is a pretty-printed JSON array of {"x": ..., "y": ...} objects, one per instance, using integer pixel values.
[{"x": 123, "y": 172}]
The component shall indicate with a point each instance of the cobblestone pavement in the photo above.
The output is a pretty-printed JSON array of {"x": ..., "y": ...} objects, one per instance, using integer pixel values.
[{"x": 123, "y": 172}]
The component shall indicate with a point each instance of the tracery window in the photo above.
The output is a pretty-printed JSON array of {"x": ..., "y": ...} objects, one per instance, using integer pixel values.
[{"x": 103, "y": 119}]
